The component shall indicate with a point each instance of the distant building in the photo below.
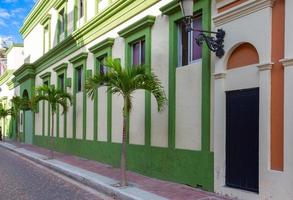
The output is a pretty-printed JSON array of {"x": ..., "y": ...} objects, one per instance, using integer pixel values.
[{"x": 12, "y": 59}]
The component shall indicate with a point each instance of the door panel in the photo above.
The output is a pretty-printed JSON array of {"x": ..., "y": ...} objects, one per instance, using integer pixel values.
[
  {"x": 28, "y": 127},
  {"x": 242, "y": 139}
]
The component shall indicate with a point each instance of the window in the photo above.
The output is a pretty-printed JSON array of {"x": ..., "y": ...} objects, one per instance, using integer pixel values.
[
  {"x": 46, "y": 38},
  {"x": 46, "y": 83},
  {"x": 189, "y": 50},
  {"x": 81, "y": 8},
  {"x": 102, "y": 68},
  {"x": 62, "y": 21},
  {"x": 138, "y": 53},
  {"x": 79, "y": 79},
  {"x": 61, "y": 81}
]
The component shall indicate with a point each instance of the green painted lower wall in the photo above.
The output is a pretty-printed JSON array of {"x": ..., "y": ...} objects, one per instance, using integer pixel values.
[{"x": 193, "y": 168}]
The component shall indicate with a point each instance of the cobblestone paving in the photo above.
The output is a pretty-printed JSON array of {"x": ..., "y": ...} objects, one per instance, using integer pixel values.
[{"x": 21, "y": 180}]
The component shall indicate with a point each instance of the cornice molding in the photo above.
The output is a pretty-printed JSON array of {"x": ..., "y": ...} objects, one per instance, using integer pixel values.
[
  {"x": 35, "y": 15},
  {"x": 145, "y": 22},
  {"x": 242, "y": 10},
  {"x": 10, "y": 84},
  {"x": 79, "y": 57},
  {"x": 220, "y": 75},
  {"x": 287, "y": 62},
  {"x": 45, "y": 19},
  {"x": 102, "y": 45},
  {"x": 5, "y": 76},
  {"x": 265, "y": 66},
  {"x": 223, "y": 3},
  {"x": 45, "y": 75},
  {"x": 25, "y": 72},
  {"x": 171, "y": 8},
  {"x": 59, "y": 3},
  {"x": 61, "y": 67}
]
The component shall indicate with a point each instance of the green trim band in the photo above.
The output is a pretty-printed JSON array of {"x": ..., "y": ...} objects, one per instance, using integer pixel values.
[
  {"x": 10, "y": 84},
  {"x": 59, "y": 3},
  {"x": 5, "y": 77}
]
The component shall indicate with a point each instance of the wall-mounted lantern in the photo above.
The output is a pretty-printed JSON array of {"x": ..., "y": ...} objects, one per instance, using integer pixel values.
[{"x": 215, "y": 42}]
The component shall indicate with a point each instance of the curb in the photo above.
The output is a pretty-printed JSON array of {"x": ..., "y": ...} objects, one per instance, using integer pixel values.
[{"x": 128, "y": 193}]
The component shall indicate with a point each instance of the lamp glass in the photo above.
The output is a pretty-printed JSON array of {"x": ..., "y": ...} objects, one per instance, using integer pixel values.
[{"x": 187, "y": 6}]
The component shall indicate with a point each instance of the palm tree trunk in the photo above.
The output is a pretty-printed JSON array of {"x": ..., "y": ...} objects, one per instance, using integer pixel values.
[
  {"x": 4, "y": 129},
  {"x": 16, "y": 131},
  {"x": 52, "y": 136},
  {"x": 123, "y": 150}
]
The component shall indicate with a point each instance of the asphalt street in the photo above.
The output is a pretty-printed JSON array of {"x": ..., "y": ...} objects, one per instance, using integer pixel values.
[{"x": 20, "y": 179}]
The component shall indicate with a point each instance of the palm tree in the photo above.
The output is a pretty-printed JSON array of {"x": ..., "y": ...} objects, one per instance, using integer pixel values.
[
  {"x": 3, "y": 114},
  {"x": 18, "y": 104},
  {"x": 124, "y": 82},
  {"x": 55, "y": 97}
]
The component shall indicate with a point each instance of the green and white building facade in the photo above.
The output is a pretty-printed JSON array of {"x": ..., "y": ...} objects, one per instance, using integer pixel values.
[{"x": 65, "y": 41}]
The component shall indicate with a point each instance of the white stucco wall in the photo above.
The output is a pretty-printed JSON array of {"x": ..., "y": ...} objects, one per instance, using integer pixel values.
[
  {"x": 15, "y": 58},
  {"x": 272, "y": 184},
  {"x": 102, "y": 114},
  {"x": 188, "y": 86},
  {"x": 160, "y": 65},
  {"x": 188, "y": 106}
]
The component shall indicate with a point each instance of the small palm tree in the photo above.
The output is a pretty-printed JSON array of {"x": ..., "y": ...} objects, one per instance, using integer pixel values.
[
  {"x": 54, "y": 97},
  {"x": 3, "y": 114},
  {"x": 18, "y": 104},
  {"x": 124, "y": 82}
]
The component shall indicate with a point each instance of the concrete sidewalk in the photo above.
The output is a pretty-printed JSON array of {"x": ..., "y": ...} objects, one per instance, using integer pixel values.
[{"x": 102, "y": 177}]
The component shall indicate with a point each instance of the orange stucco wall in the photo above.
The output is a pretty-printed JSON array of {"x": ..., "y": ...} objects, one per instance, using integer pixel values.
[
  {"x": 243, "y": 55},
  {"x": 277, "y": 102}
]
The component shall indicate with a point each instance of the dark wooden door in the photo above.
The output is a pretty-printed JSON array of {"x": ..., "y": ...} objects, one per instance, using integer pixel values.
[{"x": 242, "y": 139}]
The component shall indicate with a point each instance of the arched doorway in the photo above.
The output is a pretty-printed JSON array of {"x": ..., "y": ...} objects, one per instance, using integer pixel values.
[
  {"x": 27, "y": 121},
  {"x": 242, "y": 119}
]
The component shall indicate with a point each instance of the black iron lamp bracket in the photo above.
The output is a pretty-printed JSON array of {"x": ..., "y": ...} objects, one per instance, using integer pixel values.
[{"x": 215, "y": 43}]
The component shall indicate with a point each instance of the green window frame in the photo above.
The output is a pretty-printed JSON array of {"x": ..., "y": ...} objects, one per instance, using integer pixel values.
[
  {"x": 62, "y": 23},
  {"x": 102, "y": 50},
  {"x": 135, "y": 32},
  {"x": 46, "y": 23},
  {"x": 62, "y": 20},
  {"x": 46, "y": 78},
  {"x": 79, "y": 61},
  {"x": 173, "y": 10},
  {"x": 77, "y": 12},
  {"x": 61, "y": 70}
]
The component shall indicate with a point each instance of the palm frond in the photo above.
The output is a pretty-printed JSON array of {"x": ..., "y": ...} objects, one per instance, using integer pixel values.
[
  {"x": 126, "y": 81},
  {"x": 93, "y": 83},
  {"x": 64, "y": 105},
  {"x": 52, "y": 96},
  {"x": 151, "y": 83}
]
